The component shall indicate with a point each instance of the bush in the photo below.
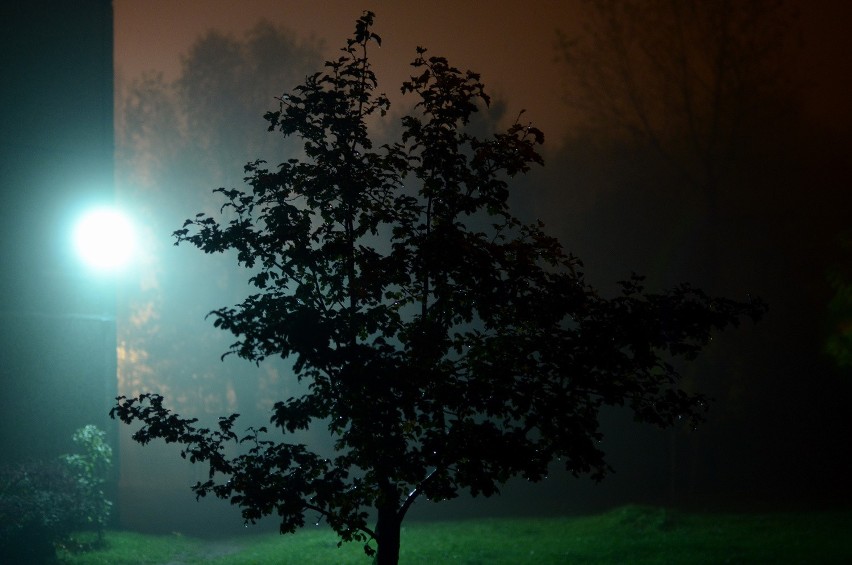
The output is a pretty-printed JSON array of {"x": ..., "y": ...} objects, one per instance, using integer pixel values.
[
  {"x": 43, "y": 502},
  {"x": 90, "y": 467}
]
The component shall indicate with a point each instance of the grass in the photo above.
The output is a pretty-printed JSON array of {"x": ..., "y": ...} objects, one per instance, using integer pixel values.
[{"x": 631, "y": 534}]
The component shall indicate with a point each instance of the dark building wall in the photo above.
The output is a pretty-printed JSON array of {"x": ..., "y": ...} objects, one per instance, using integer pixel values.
[{"x": 57, "y": 324}]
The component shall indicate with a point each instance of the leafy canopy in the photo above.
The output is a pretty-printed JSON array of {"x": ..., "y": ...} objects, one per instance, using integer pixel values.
[{"x": 446, "y": 345}]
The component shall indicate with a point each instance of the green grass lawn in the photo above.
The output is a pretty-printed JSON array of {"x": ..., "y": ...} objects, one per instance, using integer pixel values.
[{"x": 632, "y": 534}]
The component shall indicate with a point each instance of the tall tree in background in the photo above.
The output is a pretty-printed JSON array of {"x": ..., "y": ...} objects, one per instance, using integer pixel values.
[
  {"x": 743, "y": 195},
  {"x": 446, "y": 346},
  {"x": 176, "y": 138},
  {"x": 693, "y": 80}
]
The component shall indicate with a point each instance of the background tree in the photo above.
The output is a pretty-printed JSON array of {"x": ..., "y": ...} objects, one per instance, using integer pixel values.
[
  {"x": 692, "y": 80},
  {"x": 693, "y": 160},
  {"x": 446, "y": 346},
  {"x": 176, "y": 138}
]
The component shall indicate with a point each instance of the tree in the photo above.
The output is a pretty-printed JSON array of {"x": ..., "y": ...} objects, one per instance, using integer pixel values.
[
  {"x": 446, "y": 345},
  {"x": 176, "y": 138},
  {"x": 697, "y": 101},
  {"x": 692, "y": 80}
]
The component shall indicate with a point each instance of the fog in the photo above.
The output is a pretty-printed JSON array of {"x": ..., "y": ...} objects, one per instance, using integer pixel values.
[{"x": 760, "y": 210}]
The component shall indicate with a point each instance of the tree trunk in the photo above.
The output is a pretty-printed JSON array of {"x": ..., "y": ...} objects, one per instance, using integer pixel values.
[{"x": 387, "y": 534}]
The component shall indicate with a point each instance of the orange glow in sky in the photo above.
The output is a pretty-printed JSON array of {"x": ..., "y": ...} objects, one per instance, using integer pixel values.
[{"x": 512, "y": 44}]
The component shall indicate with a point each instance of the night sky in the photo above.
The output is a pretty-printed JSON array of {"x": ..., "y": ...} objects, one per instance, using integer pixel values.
[{"x": 510, "y": 43}]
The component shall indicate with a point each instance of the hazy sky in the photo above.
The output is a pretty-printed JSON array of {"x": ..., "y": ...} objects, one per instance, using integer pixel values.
[{"x": 510, "y": 42}]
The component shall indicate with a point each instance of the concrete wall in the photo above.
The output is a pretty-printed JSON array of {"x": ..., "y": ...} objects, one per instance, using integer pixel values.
[{"x": 57, "y": 324}]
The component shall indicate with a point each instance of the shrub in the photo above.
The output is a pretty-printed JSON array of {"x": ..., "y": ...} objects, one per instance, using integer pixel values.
[
  {"x": 43, "y": 502},
  {"x": 90, "y": 467}
]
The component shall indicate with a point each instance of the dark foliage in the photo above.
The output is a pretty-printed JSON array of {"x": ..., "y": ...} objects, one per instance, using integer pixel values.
[
  {"x": 91, "y": 467},
  {"x": 446, "y": 345},
  {"x": 41, "y": 504}
]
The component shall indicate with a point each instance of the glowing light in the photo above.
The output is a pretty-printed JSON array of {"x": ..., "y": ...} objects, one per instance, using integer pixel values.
[{"x": 104, "y": 239}]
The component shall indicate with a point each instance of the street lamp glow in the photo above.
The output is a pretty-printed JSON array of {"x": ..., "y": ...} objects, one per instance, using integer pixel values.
[{"x": 104, "y": 239}]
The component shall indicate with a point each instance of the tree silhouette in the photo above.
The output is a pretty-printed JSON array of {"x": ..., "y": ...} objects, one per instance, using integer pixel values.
[
  {"x": 692, "y": 80},
  {"x": 446, "y": 345}
]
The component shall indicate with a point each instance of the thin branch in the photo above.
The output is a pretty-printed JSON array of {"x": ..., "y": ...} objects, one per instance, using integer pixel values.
[
  {"x": 414, "y": 494},
  {"x": 327, "y": 514}
]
